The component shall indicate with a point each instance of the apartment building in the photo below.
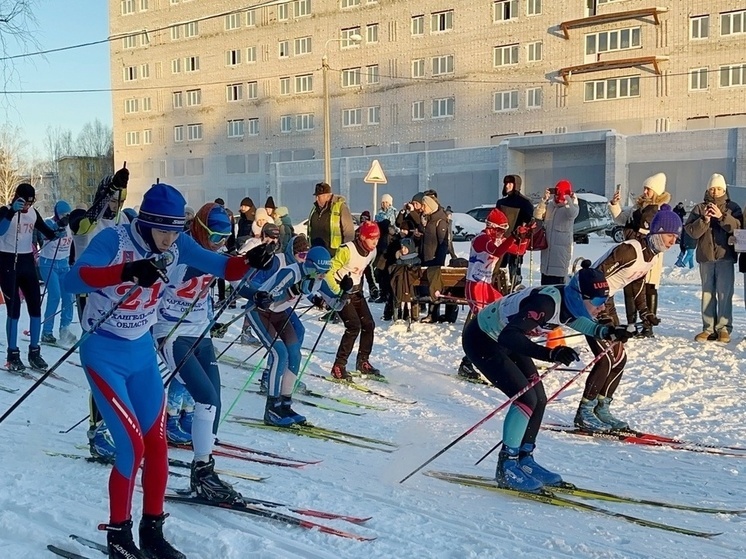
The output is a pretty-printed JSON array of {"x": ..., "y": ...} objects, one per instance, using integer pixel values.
[{"x": 217, "y": 97}]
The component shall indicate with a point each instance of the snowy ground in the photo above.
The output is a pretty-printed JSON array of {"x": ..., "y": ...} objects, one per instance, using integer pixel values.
[{"x": 672, "y": 386}]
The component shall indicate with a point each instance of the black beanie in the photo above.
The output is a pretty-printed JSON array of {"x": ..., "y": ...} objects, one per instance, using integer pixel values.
[
  {"x": 25, "y": 191},
  {"x": 270, "y": 203},
  {"x": 592, "y": 281}
]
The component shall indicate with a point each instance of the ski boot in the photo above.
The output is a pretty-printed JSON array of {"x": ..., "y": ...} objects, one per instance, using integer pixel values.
[
  {"x": 35, "y": 360},
  {"x": 529, "y": 466},
  {"x": 468, "y": 372},
  {"x": 152, "y": 543},
  {"x": 48, "y": 338},
  {"x": 174, "y": 433},
  {"x": 67, "y": 338},
  {"x": 368, "y": 370},
  {"x": 206, "y": 484},
  {"x": 510, "y": 475},
  {"x": 286, "y": 403},
  {"x": 274, "y": 413},
  {"x": 602, "y": 412},
  {"x": 14, "y": 362},
  {"x": 101, "y": 444},
  {"x": 340, "y": 373},
  {"x": 185, "y": 421},
  {"x": 585, "y": 418},
  {"x": 119, "y": 541}
]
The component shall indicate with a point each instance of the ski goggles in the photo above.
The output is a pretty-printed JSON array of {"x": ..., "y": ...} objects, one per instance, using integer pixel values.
[
  {"x": 596, "y": 301},
  {"x": 301, "y": 256},
  {"x": 215, "y": 237}
]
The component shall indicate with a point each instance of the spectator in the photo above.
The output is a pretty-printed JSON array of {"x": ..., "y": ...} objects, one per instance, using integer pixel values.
[
  {"x": 558, "y": 211},
  {"x": 409, "y": 220},
  {"x": 283, "y": 221},
  {"x": 712, "y": 223},
  {"x": 189, "y": 215},
  {"x": 434, "y": 247},
  {"x": 387, "y": 211},
  {"x": 365, "y": 216},
  {"x": 687, "y": 244},
  {"x": 519, "y": 210},
  {"x": 680, "y": 210},
  {"x": 330, "y": 221},
  {"x": 270, "y": 206},
  {"x": 247, "y": 212}
]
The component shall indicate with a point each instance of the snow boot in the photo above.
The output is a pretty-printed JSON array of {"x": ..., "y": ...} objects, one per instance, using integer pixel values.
[
  {"x": 35, "y": 360},
  {"x": 274, "y": 413},
  {"x": 101, "y": 444},
  {"x": 287, "y": 410},
  {"x": 529, "y": 466},
  {"x": 340, "y": 373},
  {"x": 174, "y": 433},
  {"x": 602, "y": 412},
  {"x": 48, "y": 338},
  {"x": 368, "y": 370},
  {"x": 585, "y": 417},
  {"x": 186, "y": 420},
  {"x": 466, "y": 370},
  {"x": 67, "y": 338},
  {"x": 510, "y": 475},
  {"x": 206, "y": 484},
  {"x": 119, "y": 541},
  {"x": 14, "y": 362},
  {"x": 152, "y": 543}
]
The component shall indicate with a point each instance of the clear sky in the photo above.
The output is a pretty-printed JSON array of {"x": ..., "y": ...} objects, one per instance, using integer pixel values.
[{"x": 62, "y": 23}]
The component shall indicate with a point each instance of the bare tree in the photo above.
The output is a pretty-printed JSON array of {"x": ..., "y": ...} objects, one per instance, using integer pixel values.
[
  {"x": 12, "y": 165},
  {"x": 95, "y": 140},
  {"x": 58, "y": 143},
  {"x": 17, "y": 32}
]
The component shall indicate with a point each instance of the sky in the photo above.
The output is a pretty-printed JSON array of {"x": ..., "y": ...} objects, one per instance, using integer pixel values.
[{"x": 61, "y": 24}]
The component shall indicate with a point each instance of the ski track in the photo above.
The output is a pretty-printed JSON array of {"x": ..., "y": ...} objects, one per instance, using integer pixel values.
[{"x": 671, "y": 386}]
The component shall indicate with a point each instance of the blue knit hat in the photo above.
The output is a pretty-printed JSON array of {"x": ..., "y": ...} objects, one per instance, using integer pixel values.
[
  {"x": 665, "y": 221},
  {"x": 61, "y": 208},
  {"x": 217, "y": 220},
  {"x": 163, "y": 208}
]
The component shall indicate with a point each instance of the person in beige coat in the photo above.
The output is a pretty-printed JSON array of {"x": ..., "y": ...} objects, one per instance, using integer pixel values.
[{"x": 558, "y": 210}]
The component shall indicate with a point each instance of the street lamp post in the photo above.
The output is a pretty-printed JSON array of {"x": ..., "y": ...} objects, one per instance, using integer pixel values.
[{"x": 327, "y": 127}]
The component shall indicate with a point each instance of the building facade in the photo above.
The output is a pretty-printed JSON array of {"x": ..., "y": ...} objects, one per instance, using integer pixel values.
[
  {"x": 225, "y": 102},
  {"x": 78, "y": 177}
]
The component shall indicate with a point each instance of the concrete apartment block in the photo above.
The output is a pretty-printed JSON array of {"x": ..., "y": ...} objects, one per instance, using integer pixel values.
[{"x": 222, "y": 101}]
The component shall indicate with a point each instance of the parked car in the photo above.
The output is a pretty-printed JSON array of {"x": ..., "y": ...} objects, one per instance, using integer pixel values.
[
  {"x": 616, "y": 233},
  {"x": 465, "y": 227},
  {"x": 302, "y": 227}
]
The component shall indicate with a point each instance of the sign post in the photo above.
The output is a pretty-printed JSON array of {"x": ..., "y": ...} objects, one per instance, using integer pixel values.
[{"x": 375, "y": 177}]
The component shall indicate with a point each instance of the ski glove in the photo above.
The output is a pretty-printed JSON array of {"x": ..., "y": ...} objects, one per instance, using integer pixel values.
[
  {"x": 18, "y": 205},
  {"x": 339, "y": 303},
  {"x": 263, "y": 299},
  {"x": 120, "y": 180},
  {"x": 563, "y": 354},
  {"x": 346, "y": 284},
  {"x": 649, "y": 319},
  {"x": 144, "y": 272},
  {"x": 63, "y": 222},
  {"x": 317, "y": 301},
  {"x": 60, "y": 232},
  {"x": 260, "y": 256},
  {"x": 618, "y": 333}
]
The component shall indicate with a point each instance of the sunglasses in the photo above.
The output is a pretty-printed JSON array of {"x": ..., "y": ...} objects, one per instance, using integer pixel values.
[
  {"x": 597, "y": 301},
  {"x": 301, "y": 255},
  {"x": 214, "y": 236}
]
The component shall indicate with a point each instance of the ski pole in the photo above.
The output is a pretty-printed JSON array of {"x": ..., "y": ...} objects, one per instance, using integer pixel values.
[
  {"x": 235, "y": 319},
  {"x": 310, "y": 354},
  {"x": 51, "y": 269},
  {"x": 595, "y": 360},
  {"x": 70, "y": 351},
  {"x": 536, "y": 380}
]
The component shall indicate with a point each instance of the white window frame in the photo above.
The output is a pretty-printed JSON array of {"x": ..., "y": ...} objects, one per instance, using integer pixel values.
[
  {"x": 599, "y": 89},
  {"x": 534, "y": 98},
  {"x": 176, "y": 66},
  {"x": 418, "y": 68},
  {"x": 534, "y": 51},
  {"x": 733, "y": 23},
  {"x": 286, "y": 124},
  {"x": 304, "y": 122},
  {"x": 251, "y": 55},
  {"x": 144, "y": 71},
  {"x": 194, "y": 132},
  {"x": 351, "y": 77},
  {"x": 130, "y": 73},
  {"x": 699, "y": 25},
  {"x": 301, "y": 8},
  {"x": 127, "y": 7},
  {"x": 234, "y": 92},
  {"x": 233, "y": 57},
  {"x": 285, "y": 85},
  {"x": 179, "y": 133},
  {"x": 699, "y": 79},
  {"x": 441, "y": 22},
  {"x": 283, "y": 12},
  {"x": 507, "y": 55},
  {"x": 613, "y": 40},
  {"x": 372, "y": 74},
  {"x": 175, "y": 32},
  {"x": 533, "y": 7},
  {"x": 131, "y": 105},
  {"x": 129, "y": 42},
  {"x": 442, "y": 65},
  {"x": 418, "y": 110},
  {"x": 505, "y": 101},
  {"x": 147, "y": 104},
  {"x": 345, "y": 34},
  {"x": 193, "y": 97},
  {"x": 132, "y": 138},
  {"x": 232, "y": 21},
  {"x": 235, "y": 128},
  {"x": 147, "y": 136},
  {"x": 191, "y": 64},
  {"x": 729, "y": 72},
  {"x": 304, "y": 83},
  {"x": 191, "y": 29},
  {"x": 302, "y": 45},
  {"x": 253, "y": 128},
  {"x": 417, "y": 26},
  {"x": 504, "y": 10},
  {"x": 349, "y": 3},
  {"x": 444, "y": 107},
  {"x": 177, "y": 99},
  {"x": 371, "y": 33},
  {"x": 352, "y": 117},
  {"x": 143, "y": 5},
  {"x": 283, "y": 49},
  {"x": 252, "y": 90},
  {"x": 374, "y": 115},
  {"x": 250, "y": 18}
]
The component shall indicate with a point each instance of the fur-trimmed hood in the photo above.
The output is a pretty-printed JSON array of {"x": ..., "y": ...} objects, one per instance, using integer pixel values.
[{"x": 656, "y": 200}]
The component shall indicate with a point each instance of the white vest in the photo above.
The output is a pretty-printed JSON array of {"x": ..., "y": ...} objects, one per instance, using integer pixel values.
[
  {"x": 494, "y": 318},
  {"x": 82, "y": 241},
  {"x": 481, "y": 265},
  {"x": 178, "y": 295},
  {"x": 617, "y": 280},
  {"x": 59, "y": 249},
  {"x": 356, "y": 265},
  {"x": 25, "y": 233}
]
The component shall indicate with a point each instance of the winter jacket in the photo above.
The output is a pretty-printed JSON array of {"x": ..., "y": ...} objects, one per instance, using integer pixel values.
[
  {"x": 559, "y": 220},
  {"x": 332, "y": 224},
  {"x": 712, "y": 238},
  {"x": 389, "y": 214},
  {"x": 435, "y": 241},
  {"x": 282, "y": 220},
  {"x": 517, "y": 208}
]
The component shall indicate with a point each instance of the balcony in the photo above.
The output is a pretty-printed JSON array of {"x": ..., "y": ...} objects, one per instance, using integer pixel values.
[
  {"x": 654, "y": 61},
  {"x": 610, "y": 18}
]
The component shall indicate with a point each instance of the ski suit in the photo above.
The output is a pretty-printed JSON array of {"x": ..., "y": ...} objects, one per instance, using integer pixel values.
[
  {"x": 484, "y": 256},
  {"x": 54, "y": 258}
]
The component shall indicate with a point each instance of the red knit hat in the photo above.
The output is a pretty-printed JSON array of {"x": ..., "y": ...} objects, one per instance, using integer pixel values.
[{"x": 562, "y": 189}]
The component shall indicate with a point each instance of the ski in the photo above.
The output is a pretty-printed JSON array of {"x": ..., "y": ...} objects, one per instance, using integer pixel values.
[
  {"x": 27, "y": 375},
  {"x": 65, "y": 553},
  {"x": 240, "y": 448},
  {"x": 268, "y": 514},
  {"x": 8, "y": 390},
  {"x": 345, "y": 401},
  {"x": 361, "y": 388},
  {"x": 550, "y": 498},
  {"x": 366, "y": 376},
  {"x": 246, "y": 457},
  {"x": 311, "y": 404},
  {"x": 90, "y": 543}
]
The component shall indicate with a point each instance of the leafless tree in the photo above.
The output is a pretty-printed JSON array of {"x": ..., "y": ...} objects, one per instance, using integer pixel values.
[
  {"x": 12, "y": 165},
  {"x": 17, "y": 32},
  {"x": 57, "y": 143},
  {"x": 95, "y": 140}
]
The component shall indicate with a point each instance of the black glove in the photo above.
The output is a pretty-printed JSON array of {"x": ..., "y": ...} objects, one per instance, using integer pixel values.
[
  {"x": 618, "y": 333},
  {"x": 317, "y": 302},
  {"x": 563, "y": 354},
  {"x": 63, "y": 222},
  {"x": 346, "y": 284},
  {"x": 260, "y": 256},
  {"x": 218, "y": 330},
  {"x": 263, "y": 299},
  {"x": 120, "y": 180},
  {"x": 144, "y": 272},
  {"x": 649, "y": 319}
]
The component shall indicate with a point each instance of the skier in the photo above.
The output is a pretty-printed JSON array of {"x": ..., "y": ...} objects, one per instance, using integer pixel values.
[
  {"x": 136, "y": 259},
  {"x": 498, "y": 344},
  {"x": 351, "y": 259},
  {"x": 18, "y": 221},
  {"x": 626, "y": 267},
  {"x": 54, "y": 258}
]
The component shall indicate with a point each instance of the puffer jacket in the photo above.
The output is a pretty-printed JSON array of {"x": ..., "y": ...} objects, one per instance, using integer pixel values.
[
  {"x": 712, "y": 238},
  {"x": 559, "y": 220},
  {"x": 282, "y": 220}
]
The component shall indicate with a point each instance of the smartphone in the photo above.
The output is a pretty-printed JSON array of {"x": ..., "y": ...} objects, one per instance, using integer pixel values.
[
  {"x": 619, "y": 188},
  {"x": 552, "y": 190}
]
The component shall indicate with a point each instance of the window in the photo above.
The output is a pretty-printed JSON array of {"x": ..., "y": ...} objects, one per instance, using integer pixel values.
[
  {"x": 178, "y": 133},
  {"x": 286, "y": 124},
  {"x": 232, "y": 21},
  {"x": 304, "y": 83},
  {"x": 191, "y": 29},
  {"x": 234, "y": 92},
  {"x": 304, "y": 122},
  {"x": 176, "y": 32},
  {"x": 699, "y": 27},
  {"x": 235, "y": 128},
  {"x": 252, "y": 90},
  {"x": 302, "y": 8},
  {"x": 144, "y": 71},
  {"x": 614, "y": 88},
  {"x": 177, "y": 99},
  {"x": 418, "y": 26},
  {"x": 147, "y": 136},
  {"x": 371, "y": 33},
  {"x": 128, "y": 7},
  {"x": 443, "y": 108},
  {"x": 534, "y": 97},
  {"x": 418, "y": 68},
  {"x": 697, "y": 79},
  {"x": 283, "y": 49},
  {"x": 176, "y": 66},
  {"x": 346, "y": 41},
  {"x": 350, "y": 3},
  {"x": 129, "y": 42},
  {"x": 506, "y": 100},
  {"x": 250, "y": 18},
  {"x": 350, "y": 77},
  {"x": 191, "y": 63},
  {"x": 534, "y": 51},
  {"x": 352, "y": 117},
  {"x": 251, "y": 55},
  {"x": 418, "y": 110},
  {"x": 143, "y": 5},
  {"x": 130, "y": 73},
  {"x": 302, "y": 45},
  {"x": 506, "y": 55},
  {"x": 441, "y": 22},
  {"x": 146, "y": 104},
  {"x": 607, "y": 41},
  {"x": 194, "y": 132},
  {"x": 282, "y": 12},
  {"x": 504, "y": 10},
  {"x": 371, "y": 74},
  {"x": 253, "y": 127},
  {"x": 733, "y": 75},
  {"x": 233, "y": 57},
  {"x": 131, "y": 106},
  {"x": 733, "y": 23},
  {"x": 284, "y": 86},
  {"x": 374, "y": 116},
  {"x": 442, "y": 65},
  {"x": 533, "y": 7},
  {"x": 133, "y": 138},
  {"x": 194, "y": 97}
]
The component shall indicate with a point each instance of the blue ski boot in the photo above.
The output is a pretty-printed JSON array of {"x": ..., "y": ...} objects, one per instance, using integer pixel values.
[
  {"x": 602, "y": 412},
  {"x": 287, "y": 402},
  {"x": 186, "y": 420},
  {"x": 174, "y": 433},
  {"x": 101, "y": 444},
  {"x": 510, "y": 475},
  {"x": 586, "y": 420},
  {"x": 529, "y": 466},
  {"x": 274, "y": 413}
]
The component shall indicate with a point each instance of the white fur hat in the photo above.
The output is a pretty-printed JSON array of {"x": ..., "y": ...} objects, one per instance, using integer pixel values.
[
  {"x": 387, "y": 198},
  {"x": 656, "y": 183},
  {"x": 716, "y": 181}
]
